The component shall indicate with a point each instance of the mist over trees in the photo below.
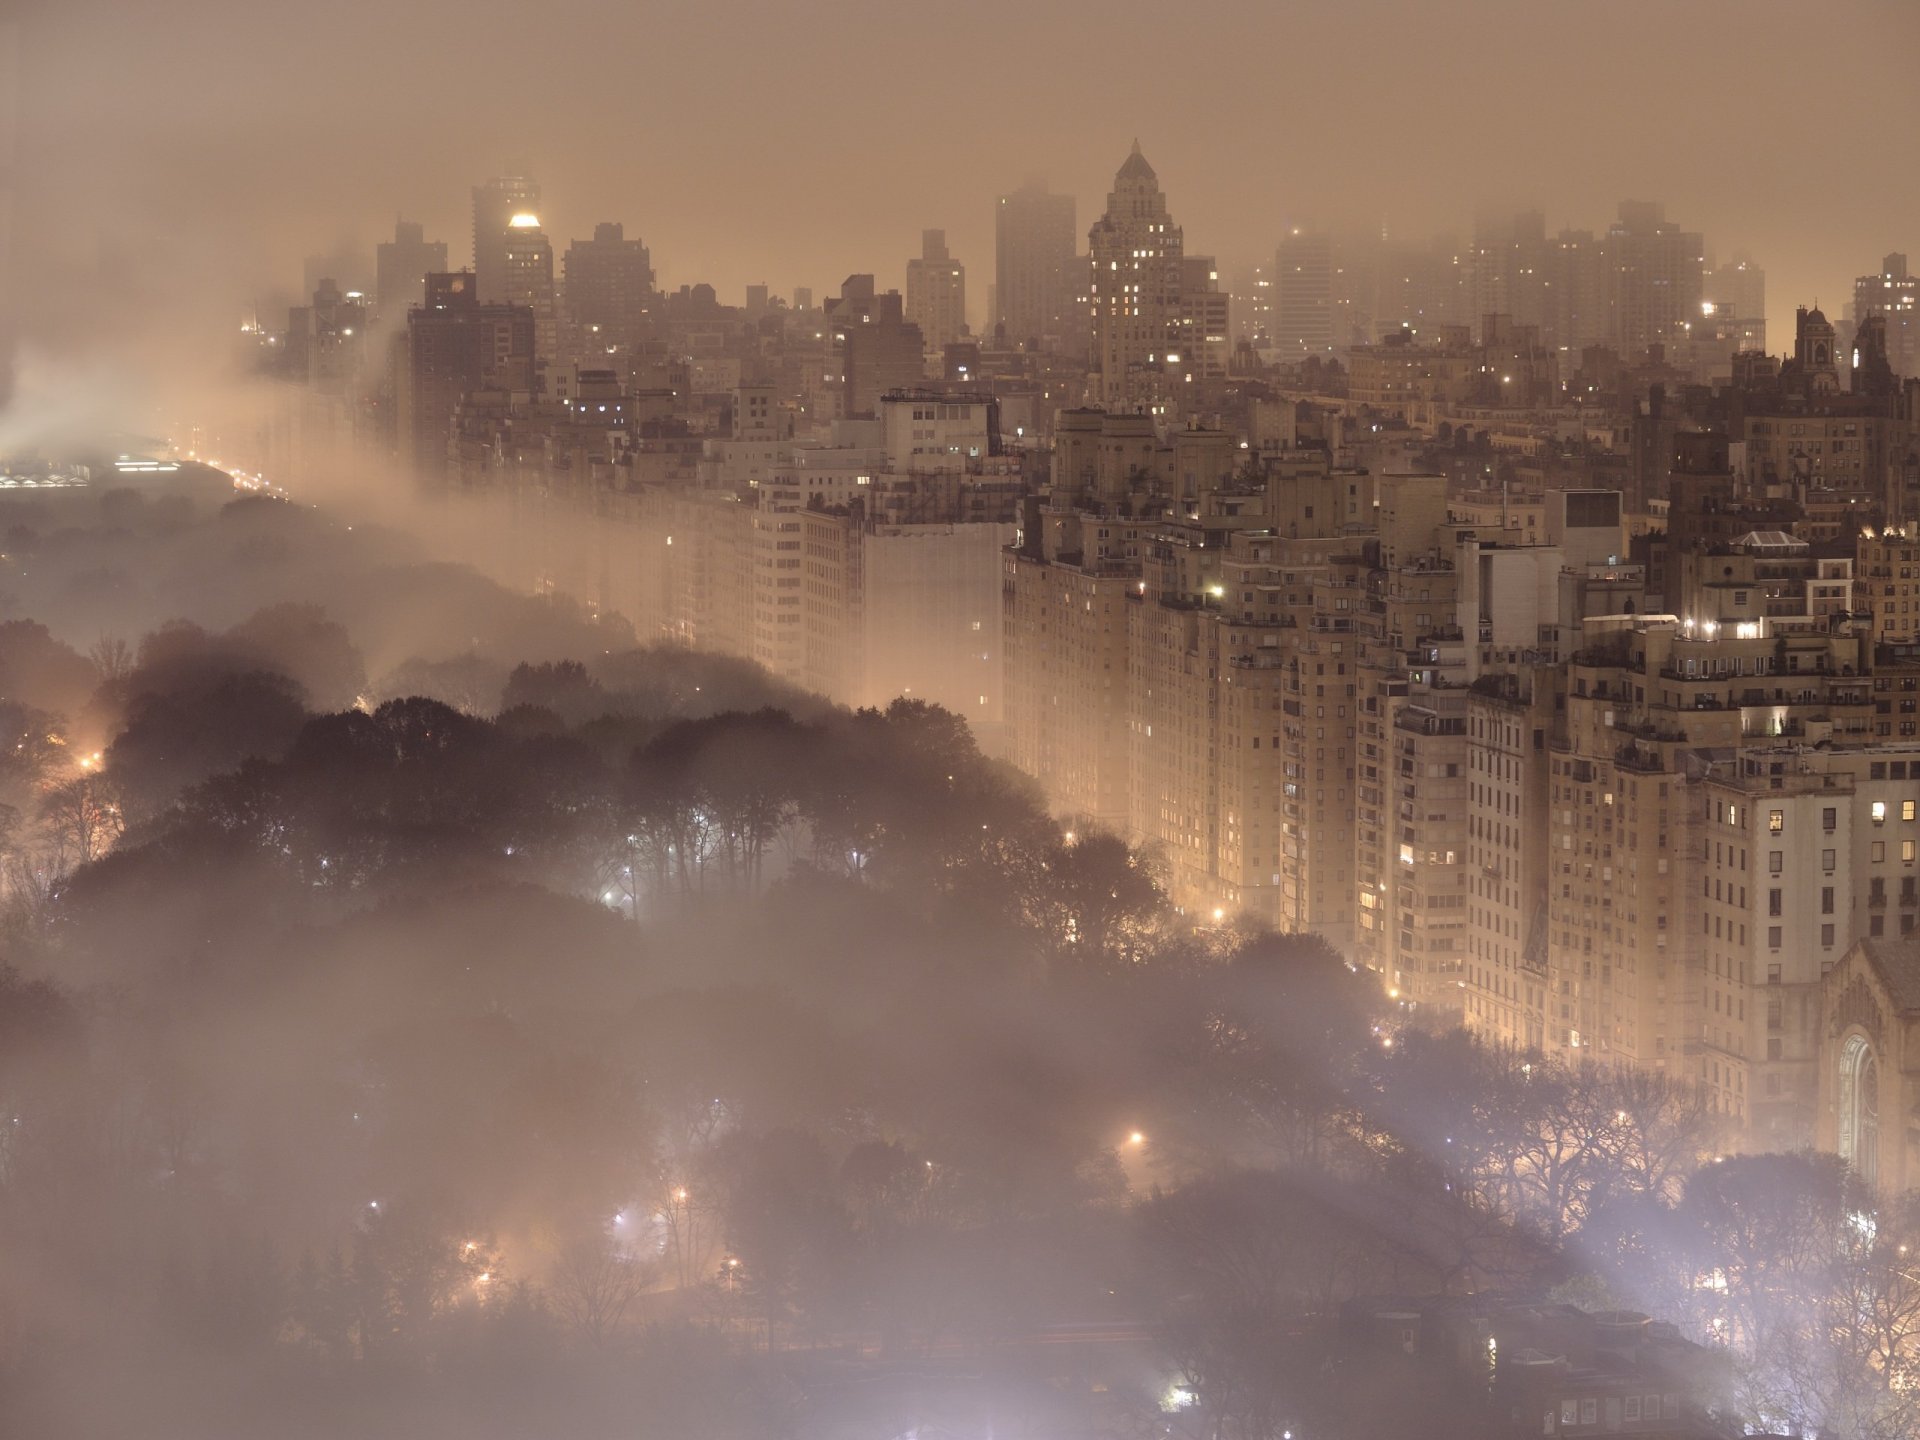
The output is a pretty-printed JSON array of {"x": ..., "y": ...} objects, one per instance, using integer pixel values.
[{"x": 425, "y": 1012}]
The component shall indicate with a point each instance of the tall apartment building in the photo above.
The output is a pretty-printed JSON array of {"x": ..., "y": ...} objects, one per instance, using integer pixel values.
[
  {"x": 494, "y": 206},
  {"x": 1738, "y": 288},
  {"x": 1205, "y": 335},
  {"x": 526, "y": 258},
  {"x": 1135, "y": 251},
  {"x": 455, "y": 346},
  {"x": 1686, "y": 934},
  {"x": 877, "y": 347},
  {"x": 1034, "y": 254},
  {"x": 1303, "y": 294},
  {"x": 401, "y": 266},
  {"x": 609, "y": 289},
  {"x": 1504, "y": 976},
  {"x": 1654, "y": 275},
  {"x": 936, "y": 293},
  {"x": 1576, "y": 309},
  {"x": 1887, "y": 583},
  {"x": 1895, "y": 295},
  {"x": 1510, "y": 271}
]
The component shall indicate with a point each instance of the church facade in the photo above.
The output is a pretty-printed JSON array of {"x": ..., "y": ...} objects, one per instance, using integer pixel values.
[{"x": 1868, "y": 1111}]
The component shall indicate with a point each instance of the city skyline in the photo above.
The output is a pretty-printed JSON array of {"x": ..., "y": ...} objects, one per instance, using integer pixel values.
[
  {"x": 873, "y": 723},
  {"x": 332, "y": 163}
]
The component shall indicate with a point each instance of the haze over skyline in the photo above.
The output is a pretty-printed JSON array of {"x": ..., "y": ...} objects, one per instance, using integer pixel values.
[
  {"x": 839, "y": 134},
  {"x": 1272, "y": 795}
]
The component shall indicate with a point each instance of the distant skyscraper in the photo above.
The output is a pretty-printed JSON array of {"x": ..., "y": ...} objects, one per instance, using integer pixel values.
[
  {"x": 1738, "y": 285},
  {"x": 494, "y": 206},
  {"x": 937, "y": 292},
  {"x": 1509, "y": 267},
  {"x": 401, "y": 266},
  {"x": 1135, "y": 251},
  {"x": 455, "y": 346},
  {"x": 1654, "y": 274},
  {"x": 1033, "y": 253},
  {"x": 1894, "y": 294},
  {"x": 1576, "y": 290},
  {"x": 609, "y": 288},
  {"x": 1206, "y": 338},
  {"x": 325, "y": 339},
  {"x": 528, "y": 260},
  {"x": 880, "y": 350},
  {"x": 1303, "y": 294}
]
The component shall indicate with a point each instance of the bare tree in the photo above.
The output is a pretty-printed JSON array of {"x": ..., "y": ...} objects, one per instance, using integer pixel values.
[
  {"x": 594, "y": 1286},
  {"x": 113, "y": 658},
  {"x": 82, "y": 819}
]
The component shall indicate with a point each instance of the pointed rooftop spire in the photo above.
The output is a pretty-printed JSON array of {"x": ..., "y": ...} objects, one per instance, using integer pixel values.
[{"x": 1135, "y": 167}]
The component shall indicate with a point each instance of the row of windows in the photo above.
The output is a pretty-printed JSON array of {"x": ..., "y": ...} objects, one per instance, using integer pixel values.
[{"x": 1829, "y": 816}]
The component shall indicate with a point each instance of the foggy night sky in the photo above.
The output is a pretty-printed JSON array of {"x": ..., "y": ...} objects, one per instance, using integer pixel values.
[{"x": 180, "y": 159}]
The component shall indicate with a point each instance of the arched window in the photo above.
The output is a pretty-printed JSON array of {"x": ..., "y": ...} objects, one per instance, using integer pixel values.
[{"x": 1860, "y": 1108}]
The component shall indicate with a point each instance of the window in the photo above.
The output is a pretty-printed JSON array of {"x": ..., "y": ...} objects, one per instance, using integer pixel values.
[
  {"x": 1589, "y": 1412},
  {"x": 1826, "y": 861},
  {"x": 1879, "y": 851},
  {"x": 1773, "y": 1047},
  {"x": 1773, "y": 971},
  {"x": 1631, "y": 1411},
  {"x": 1906, "y": 851},
  {"x": 1776, "y": 821},
  {"x": 1829, "y": 819},
  {"x": 1776, "y": 861},
  {"x": 1879, "y": 812},
  {"x": 1773, "y": 940},
  {"x": 1774, "y": 898},
  {"x": 1826, "y": 899},
  {"x": 1906, "y": 809},
  {"x": 1826, "y": 936}
]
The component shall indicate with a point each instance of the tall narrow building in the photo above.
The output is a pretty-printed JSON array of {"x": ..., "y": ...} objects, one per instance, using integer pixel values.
[
  {"x": 609, "y": 288},
  {"x": 1654, "y": 275},
  {"x": 454, "y": 347},
  {"x": 401, "y": 266},
  {"x": 1895, "y": 294},
  {"x": 1135, "y": 251},
  {"x": 494, "y": 206},
  {"x": 527, "y": 257},
  {"x": 1033, "y": 266},
  {"x": 1303, "y": 294},
  {"x": 937, "y": 292}
]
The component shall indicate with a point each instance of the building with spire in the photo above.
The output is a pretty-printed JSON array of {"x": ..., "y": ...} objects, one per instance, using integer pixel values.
[{"x": 1135, "y": 251}]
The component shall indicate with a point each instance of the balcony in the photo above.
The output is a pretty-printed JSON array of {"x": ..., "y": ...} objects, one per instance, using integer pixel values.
[{"x": 1640, "y": 759}]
